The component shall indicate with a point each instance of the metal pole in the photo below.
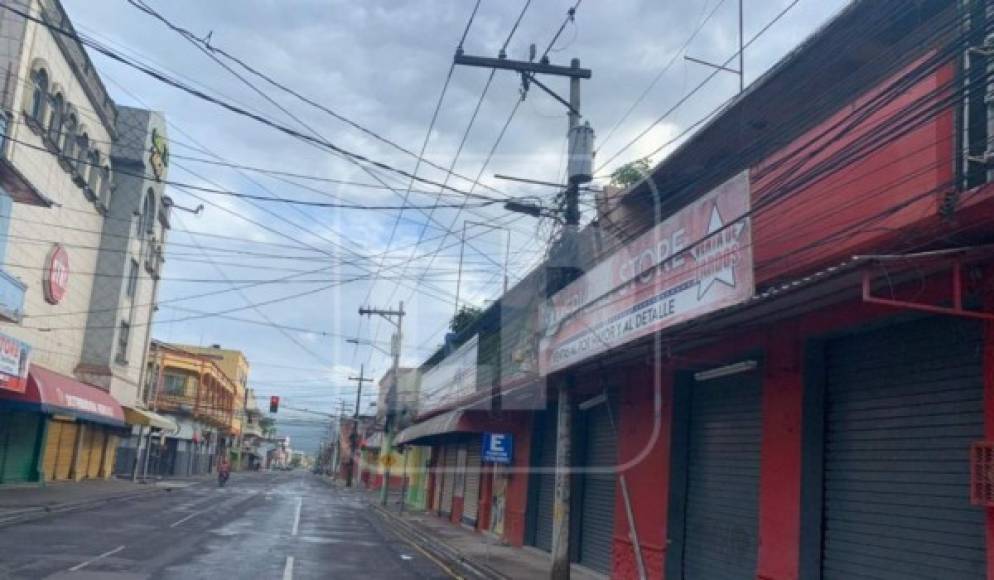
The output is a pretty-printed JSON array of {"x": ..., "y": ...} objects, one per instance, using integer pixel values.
[
  {"x": 561, "y": 501},
  {"x": 462, "y": 249},
  {"x": 155, "y": 407}
]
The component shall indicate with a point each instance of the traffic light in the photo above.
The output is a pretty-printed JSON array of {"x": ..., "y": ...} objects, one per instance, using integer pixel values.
[{"x": 274, "y": 404}]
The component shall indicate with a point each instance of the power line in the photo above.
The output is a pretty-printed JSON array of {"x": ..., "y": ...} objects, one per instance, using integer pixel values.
[
  {"x": 697, "y": 88},
  {"x": 233, "y": 108}
]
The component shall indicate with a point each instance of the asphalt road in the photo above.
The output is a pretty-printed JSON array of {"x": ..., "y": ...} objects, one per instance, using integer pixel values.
[{"x": 261, "y": 525}]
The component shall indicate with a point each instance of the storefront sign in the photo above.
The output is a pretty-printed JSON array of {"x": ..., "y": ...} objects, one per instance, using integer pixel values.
[
  {"x": 450, "y": 380},
  {"x": 498, "y": 448},
  {"x": 56, "y": 281},
  {"x": 14, "y": 358},
  {"x": 697, "y": 261}
]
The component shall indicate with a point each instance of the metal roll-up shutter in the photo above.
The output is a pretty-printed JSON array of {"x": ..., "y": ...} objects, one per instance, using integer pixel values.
[
  {"x": 597, "y": 496},
  {"x": 449, "y": 478},
  {"x": 87, "y": 434},
  {"x": 51, "y": 454},
  {"x": 18, "y": 439},
  {"x": 721, "y": 529},
  {"x": 110, "y": 455},
  {"x": 436, "y": 501},
  {"x": 66, "y": 451},
  {"x": 545, "y": 482},
  {"x": 96, "y": 452},
  {"x": 903, "y": 405},
  {"x": 471, "y": 498}
]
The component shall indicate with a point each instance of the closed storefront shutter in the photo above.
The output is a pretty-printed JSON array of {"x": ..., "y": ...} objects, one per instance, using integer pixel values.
[
  {"x": 436, "y": 501},
  {"x": 51, "y": 454},
  {"x": 67, "y": 450},
  {"x": 18, "y": 441},
  {"x": 87, "y": 433},
  {"x": 903, "y": 405},
  {"x": 471, "y": 498},
  {"x": 597, "y": 495},
  {"x": 449, "y": 478},
  {"x": 721, "y": 526},
  {"x": 95, "y": 461},
  {"x": 541, "y": 505},
  {"x": 110, "y": 454}
]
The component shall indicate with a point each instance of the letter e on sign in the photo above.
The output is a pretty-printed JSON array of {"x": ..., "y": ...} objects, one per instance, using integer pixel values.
[{"x": 56, "y": 281}]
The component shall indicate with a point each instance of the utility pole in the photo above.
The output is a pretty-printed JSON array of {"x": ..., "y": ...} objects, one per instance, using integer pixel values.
[
  {"x": 396, "y": 318},
  {"x": 564, "y": 267},
  {"x": 354, "y": 435}
]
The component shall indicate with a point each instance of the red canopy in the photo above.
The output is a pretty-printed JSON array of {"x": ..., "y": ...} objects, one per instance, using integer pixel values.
[{"x": 52, "y": 392}]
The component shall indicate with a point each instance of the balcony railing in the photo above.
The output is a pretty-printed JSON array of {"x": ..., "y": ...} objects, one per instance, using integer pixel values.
[{"x": 11, "y": 298}]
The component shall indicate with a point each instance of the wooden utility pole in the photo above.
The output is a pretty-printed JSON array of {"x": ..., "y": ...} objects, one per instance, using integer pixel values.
[
  {"x": 564, "y": 268},
  {"x": 354, "y": 435},
  {"x": 396, "y": 318}
]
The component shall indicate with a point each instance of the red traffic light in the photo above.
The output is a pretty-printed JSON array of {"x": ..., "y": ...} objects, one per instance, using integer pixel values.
[{"x": 274, "y": 404}]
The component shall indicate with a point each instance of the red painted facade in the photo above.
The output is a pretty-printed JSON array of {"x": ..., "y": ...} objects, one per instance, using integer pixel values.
[{"x": 885, "y": 199}]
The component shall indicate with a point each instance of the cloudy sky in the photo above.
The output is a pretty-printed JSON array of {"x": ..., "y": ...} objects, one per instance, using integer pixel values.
[{"x": 288, "y": 278}]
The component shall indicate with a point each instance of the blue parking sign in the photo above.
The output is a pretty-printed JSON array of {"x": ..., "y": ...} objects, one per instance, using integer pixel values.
[{"x": 498, "y": 448}]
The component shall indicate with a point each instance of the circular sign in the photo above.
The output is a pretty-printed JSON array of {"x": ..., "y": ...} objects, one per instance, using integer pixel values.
[{"x": 56, "y": 274}]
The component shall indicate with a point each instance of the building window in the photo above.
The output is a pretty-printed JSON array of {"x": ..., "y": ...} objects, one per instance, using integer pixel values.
[
  {"x": 55, "y": 119},
  {"x": 105, "y": 187},
  {"x": 40, "y": 95},
  {"x": 173, "y": 385},
  {"x": 69, "y": 139},
  {"x": 93, "y": 163},
  {"x": 146, "y": 225},
  {"x": 133, "y": 278},
  {"x": 83, "y": 145},
  {"x": 122, "y": 342}
]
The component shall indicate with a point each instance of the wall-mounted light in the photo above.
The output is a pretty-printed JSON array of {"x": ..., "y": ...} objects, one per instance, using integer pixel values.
[{"x": 727, "y": 370}]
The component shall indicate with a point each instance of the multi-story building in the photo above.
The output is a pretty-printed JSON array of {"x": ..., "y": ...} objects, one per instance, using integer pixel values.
[
  {"x": 249, "y": 456},
  {"x": 236, "y": 367},
  {"x": 73, "y": 169},
  {"x": 192, "y": 390}
]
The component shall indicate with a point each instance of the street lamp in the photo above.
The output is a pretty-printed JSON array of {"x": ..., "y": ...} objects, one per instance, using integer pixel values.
[{"x": 366, "y": 343}]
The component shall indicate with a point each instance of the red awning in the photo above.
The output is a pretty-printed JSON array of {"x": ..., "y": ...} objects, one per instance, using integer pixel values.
[{"x": 51, "y": 392}]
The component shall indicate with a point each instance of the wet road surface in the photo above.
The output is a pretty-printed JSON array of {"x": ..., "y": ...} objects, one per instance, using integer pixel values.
[{"x": 261, "y": 525}]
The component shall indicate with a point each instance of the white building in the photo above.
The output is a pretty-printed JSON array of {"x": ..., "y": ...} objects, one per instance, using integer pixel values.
[{"x": 82, "y": 222}]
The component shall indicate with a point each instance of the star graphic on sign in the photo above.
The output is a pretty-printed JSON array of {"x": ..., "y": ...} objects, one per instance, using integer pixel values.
[{"x": 704, "y": 254}]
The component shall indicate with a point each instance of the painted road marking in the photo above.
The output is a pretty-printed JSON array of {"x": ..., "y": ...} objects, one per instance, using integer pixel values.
[
  {"x": 288, "y": 569},
  {"x": 82, "y": 565},
  {"x": 183, "y": 519},
  {"x": 296, "y": 517}
]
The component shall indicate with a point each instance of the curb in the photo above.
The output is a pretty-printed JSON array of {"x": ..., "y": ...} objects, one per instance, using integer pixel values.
[
  {"x": 37, "y": 513},
  {"x": 437, "y": 548}
]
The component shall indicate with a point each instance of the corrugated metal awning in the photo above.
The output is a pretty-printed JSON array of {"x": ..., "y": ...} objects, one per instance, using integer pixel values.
[
  {"x": 136, "y": 416},
  {"x": 451, "y": 422}
]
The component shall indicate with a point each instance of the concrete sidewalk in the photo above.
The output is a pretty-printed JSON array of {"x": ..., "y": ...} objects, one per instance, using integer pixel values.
[
  {"x": 28, "y": 502},
  {"x": 472, "y": 554}
]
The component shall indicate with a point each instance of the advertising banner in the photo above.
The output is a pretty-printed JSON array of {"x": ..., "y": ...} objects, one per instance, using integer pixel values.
[
  {"x": 696, "y": 261},
  {"x": 14, "y": 360},
  {"x": 450, "y": 380}
]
